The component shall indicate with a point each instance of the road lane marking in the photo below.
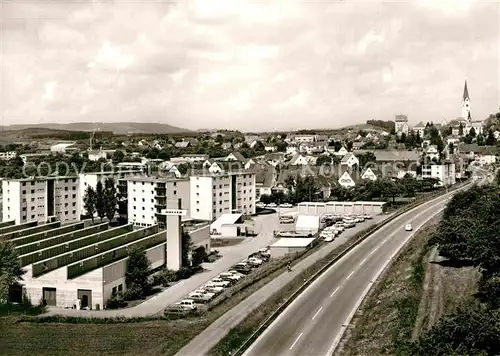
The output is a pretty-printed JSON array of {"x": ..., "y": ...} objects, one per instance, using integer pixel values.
[
  {"x": 363, "y": 261},
  {"x": 315, "y": 315},
  {"x": 335, "y": 291},
  {"x": 297, "y": 339},
  {"x": 348, "y": 320},
  {"x": 373, "y": 251},
  {"x": 350, "y": 275}
]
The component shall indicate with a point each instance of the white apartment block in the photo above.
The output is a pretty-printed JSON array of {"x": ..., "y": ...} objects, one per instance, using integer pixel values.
[
  {"x": 213, "y": 195},
  {"x": 37, "y": 199},
  {"x": 444, "y": 172},
  {"x": 149, "y": 196},
  {"x": 90, "y": 179}
]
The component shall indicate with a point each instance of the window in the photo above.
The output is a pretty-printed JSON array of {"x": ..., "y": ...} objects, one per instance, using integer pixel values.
[
  {"x": 175, "y": 192},
  {"x": 24, "y": 192}
]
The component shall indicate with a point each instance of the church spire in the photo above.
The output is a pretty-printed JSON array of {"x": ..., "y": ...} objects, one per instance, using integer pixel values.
[{"x": 466, "y": 92}]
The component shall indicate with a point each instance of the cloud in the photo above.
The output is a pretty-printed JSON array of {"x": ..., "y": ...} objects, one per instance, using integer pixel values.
[{"x": 247, "y": 65}]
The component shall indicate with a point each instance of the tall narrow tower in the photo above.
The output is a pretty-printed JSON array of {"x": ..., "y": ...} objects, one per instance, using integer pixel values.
[{"x": 465, "y": 103}]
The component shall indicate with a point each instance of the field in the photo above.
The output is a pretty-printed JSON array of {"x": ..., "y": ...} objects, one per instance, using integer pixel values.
[{"x": 409, "y": 298}]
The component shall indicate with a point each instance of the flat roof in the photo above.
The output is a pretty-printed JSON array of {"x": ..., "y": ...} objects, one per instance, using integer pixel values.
[
  {"x": 293, "y": 242},
  {"x": 307, "y": 221},
  {"x": 225, "y": 219}
]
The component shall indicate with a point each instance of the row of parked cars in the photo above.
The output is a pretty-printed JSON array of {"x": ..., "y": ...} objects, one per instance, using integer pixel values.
[
  {"x": 274, "y": 205},
  {"x": 219, "y": 284},
  {"x": 335, "y": 224}
]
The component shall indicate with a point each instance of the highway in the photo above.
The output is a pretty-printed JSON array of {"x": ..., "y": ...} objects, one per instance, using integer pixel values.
[{"x": 313, "y": 324}]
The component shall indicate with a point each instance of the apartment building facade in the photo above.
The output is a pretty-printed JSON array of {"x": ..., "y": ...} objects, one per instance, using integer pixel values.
[
  {"x": 215, "y": 194},
  {"x": 37, "y": 199},
  {"x": 444, "y": 172},
  {"x": 148, "y": 197}
]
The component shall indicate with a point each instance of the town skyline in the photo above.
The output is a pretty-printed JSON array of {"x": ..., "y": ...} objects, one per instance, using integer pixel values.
[{"x": 247, "y": 65}]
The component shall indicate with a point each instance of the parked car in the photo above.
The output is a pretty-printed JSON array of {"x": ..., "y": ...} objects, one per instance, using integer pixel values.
[
  {"x": 329, "y": 238},
  {"x": 242, "y": 268},
  {"x": 220, "y": 282},
  {"x": 271, "y": 205},
  {"x": 213, "y": 289},
  {"x": 286, "y": 205},
  {"x": 367, "y": 217},
  {"x": 229, "y": 277},
  {"x": 201, "y": 297},
  {"x": 254, "y": 261},
  {"x": 408, "y": 227},
  {"x": 175, "y": 308},
  {"x": 187, "y": 304}
]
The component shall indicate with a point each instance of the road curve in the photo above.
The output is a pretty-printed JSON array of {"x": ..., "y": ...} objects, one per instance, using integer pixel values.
[{"x": 314, "y": 322}]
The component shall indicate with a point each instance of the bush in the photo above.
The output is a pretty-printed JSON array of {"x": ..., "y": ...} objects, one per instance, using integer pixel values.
[
  {"x": 164, "y": 277},
  {"x": 184, "y": 273},
  {"x": 116, "y": 301}
]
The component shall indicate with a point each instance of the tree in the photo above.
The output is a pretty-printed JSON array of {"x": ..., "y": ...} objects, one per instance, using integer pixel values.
[
  {"x": 461, "y": 130},
  {"x": 186, "y": 247},
  {"x": 10, "y": 270},
  {"x": 490, "y": 140},
  {"x": 265, "y": 199},
  {"x": 324, "y": 160},
  {"x": 349, "y": 145},
  {"x": 110, "y": 198},
  {"x": 100, "y": 200},
  {"x": 137, "y": 273},
  {"x": 118, "y": 156},
  {"x": 472, "y": 132},
  {"x": 89, "y": 202},
  {"x": 199, "y": 256},
  {"x": 366, "y": 158},
  {"x": 281, "y": 146}
]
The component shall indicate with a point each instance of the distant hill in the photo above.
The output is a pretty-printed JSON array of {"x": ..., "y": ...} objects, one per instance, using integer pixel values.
[
  {"x": 364, "y": 127},
  {"x": 118, "y": 128}
]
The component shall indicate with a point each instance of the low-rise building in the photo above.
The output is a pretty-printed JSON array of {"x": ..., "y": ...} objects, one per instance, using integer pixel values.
[{"x": 62, "y": 147}]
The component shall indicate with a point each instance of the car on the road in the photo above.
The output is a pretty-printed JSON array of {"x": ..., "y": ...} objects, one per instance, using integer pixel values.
[
  {"x": 271, "y": 205},
  {"x": 286, "y": 205},
  {"x": 329, "y": 238},
  {"x": 408, "y": 227},
  {"x": 367, "y": 217}
]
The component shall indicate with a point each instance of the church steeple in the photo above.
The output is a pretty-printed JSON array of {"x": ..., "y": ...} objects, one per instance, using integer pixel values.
[
  {"x": 465, "y": 103},
  {"x": 466, "y": 92}
]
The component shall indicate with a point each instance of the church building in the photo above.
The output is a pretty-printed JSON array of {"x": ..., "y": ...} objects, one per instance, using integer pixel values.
[{"x": 464, "y": 124}]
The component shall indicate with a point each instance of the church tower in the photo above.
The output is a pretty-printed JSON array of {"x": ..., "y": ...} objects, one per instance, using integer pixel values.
[{"x": 466, "y": 104}]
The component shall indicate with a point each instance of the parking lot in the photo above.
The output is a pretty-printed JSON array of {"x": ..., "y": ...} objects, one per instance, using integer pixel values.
[{"x": 333, "y": 228}]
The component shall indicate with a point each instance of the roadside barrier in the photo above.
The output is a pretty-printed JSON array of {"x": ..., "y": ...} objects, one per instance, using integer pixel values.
[{"x": 358, "y": 238}]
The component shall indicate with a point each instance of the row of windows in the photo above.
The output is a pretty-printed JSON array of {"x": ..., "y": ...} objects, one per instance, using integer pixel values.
[
  {"x": 152, "y": 183},
  {"x": 143, "y": 208}
]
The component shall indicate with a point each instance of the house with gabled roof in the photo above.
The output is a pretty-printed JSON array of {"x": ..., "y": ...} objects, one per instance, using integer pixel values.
[
  {"x": 370, "y": 174},
  {"x": 349, "y": 160},
  {"x": 235, "y": 156},
  {"x": 299, "y": 160},
  {"x": 341, "y": 152}
]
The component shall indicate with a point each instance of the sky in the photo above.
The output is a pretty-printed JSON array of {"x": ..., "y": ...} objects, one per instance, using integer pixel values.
[{"x": 248, "y": 65}]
